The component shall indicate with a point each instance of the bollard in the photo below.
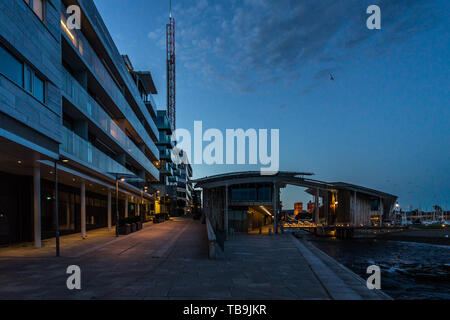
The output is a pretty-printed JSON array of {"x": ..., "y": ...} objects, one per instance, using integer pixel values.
[{"x": 260, "y": 230}]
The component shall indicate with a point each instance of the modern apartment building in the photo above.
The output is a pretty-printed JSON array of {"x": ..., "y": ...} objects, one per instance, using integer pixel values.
[
  {"x": 69, "y": 101},
  {"x": 166, "y": 185},
  {"x": 185, "y": 189}
]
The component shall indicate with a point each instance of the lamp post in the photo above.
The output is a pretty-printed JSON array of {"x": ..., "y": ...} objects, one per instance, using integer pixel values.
[
  {"x": 121, "y": 177},
  {"x": 117, "y": 203},
  {"x": 56, "y": 210},
  {"x": 57, "y": 240}
]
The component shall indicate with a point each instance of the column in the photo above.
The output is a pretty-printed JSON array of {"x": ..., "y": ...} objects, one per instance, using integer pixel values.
[
  {"x": 326, "y": 207},
  {"x": 357, "y": 221},
  {"x": 226, "y": 212},
  {"x": 109, "y": 210},
  {"x": 381, "y": 211},
  {"x": 83, "y": 209},
  {"x": 275, "y": 207},
  {"x": 126, "y": 206},
  {"x": 316, "y": 207},
  {"x": 37, "y": 205},
  {"x": 67, "y": 216},
  {"x": 138, "y": 208}
]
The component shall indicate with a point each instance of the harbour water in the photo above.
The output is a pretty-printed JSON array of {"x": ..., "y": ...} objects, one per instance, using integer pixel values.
[{"x": 409, "y": 270}]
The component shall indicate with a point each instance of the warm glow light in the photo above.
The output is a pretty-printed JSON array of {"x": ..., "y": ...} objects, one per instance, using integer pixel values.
[
  {"x": 265, "y": 210},
  {"x": 123, "y": 179},
  {"x": 67, "y": 31}
]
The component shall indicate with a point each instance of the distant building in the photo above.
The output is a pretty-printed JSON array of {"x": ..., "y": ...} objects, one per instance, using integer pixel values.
[
  {"x": 298, "y": 208},
  {"x": 166, "y": 197},
  {"x": 184, "y": 189},
  {"x": 197, "y": 203},
  {"x": 310, "y": 207}
]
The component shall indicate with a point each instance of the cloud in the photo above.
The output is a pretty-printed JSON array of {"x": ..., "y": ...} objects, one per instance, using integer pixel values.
[{"x": 253, "y": 42}]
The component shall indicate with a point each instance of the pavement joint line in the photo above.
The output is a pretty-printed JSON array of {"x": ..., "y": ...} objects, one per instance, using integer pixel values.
[
  {"x": 161, "y": 251},
  {"x": 101, "y": 246},
  {"x": 335, "y": 287}
]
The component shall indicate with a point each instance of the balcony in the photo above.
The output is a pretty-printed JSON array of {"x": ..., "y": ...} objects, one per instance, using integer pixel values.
[
  {"x": 151, "y": 105},
  {"x": 165, "y": 169},
  {"x": 165, "y": 154},
  {"x": 82, "y": 46},
  {"x": 88, "y": 155},
  {"x": 172, "y": 179},
  {"x": 76, "y": 94},
  {"x": 165, "y": 140}
]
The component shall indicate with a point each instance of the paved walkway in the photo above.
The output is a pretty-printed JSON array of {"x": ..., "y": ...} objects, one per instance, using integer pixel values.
[{"x": 169, "y": 261}]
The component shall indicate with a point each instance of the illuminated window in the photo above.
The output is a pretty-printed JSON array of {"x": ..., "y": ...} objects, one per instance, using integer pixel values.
[{"x": 38, "y": 7}]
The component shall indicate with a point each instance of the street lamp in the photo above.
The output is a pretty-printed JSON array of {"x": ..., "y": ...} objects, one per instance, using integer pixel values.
[
  {"x": 65, "y": 161},
  {"x": 121, "y": 177}
]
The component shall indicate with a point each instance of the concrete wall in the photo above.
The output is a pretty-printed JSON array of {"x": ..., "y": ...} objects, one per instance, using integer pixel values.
[
  {"x": 213, "y": 207},
  {"x": 37, "y": 44}
]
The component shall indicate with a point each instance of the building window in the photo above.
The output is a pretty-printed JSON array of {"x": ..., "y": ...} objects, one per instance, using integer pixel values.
[
  {"x": 243, "y": 194},
  {"x": 265, "y": 194},
  {"x": 28, "y": 80},
  {"x": 38, "y": 89},
  {"x": 374, "y": 205},
  {"x": 11, "y": 67},
  {"x": 38, "y": 7},
  {"x": 22, "y": 75}
]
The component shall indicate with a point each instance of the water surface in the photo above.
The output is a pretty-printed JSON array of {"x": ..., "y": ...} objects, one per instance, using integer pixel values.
[{"x": 409, "y": 270}]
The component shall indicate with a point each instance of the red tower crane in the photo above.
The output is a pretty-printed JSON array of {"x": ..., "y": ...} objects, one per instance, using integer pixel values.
[{"x": 170, "y": 49}]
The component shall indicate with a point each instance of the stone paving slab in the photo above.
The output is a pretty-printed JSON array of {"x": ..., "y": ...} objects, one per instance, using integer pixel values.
[{"x": 170, "y": 261}]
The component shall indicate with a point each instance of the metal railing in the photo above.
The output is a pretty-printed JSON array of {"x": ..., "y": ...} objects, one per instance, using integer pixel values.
[
  {"x": 86, "y": 104},
  {"x": 83, "y": 150},
  {"x": 93, "y": 61}
]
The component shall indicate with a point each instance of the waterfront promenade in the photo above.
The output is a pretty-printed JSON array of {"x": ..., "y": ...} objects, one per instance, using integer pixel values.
[{"x": 169, "y": 261}]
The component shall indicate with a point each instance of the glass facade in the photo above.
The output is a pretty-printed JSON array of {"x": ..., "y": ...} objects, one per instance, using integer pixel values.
[{"x": 244, "y": 193}]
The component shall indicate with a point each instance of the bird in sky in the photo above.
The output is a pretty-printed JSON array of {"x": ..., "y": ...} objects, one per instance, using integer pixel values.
[{"x": 331, "y": 77}]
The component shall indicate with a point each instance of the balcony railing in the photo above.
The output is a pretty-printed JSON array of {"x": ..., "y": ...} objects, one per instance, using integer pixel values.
[
  {"x": 87, "y": 105},
  {"x": 163, "y": 123},
  {"x": 172, "y": 179},
  {"x": 165, "y": 154},
  {"x": 83, "y": 150},
  {"x": 149, "y": 100},
  {"x": 166, "y": 169},
  {"x": 165, "y": 140},
  {"x": 93, "y": 61}
]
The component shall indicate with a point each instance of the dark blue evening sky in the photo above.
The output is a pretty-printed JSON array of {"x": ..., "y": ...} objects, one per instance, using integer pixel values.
[{"x": 382, "y": 123}]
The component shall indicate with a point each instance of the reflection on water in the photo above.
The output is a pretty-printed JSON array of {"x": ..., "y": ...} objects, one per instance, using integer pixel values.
[{"x": 408, "y": 270}]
